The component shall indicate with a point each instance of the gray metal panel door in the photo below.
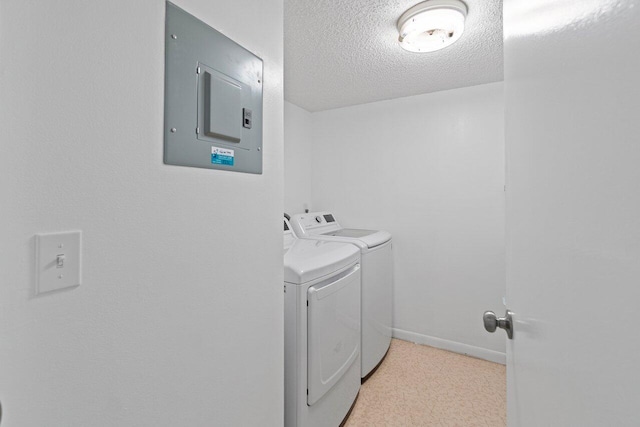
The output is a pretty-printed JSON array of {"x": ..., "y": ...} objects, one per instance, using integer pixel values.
[{"x": 213, "y": 98}]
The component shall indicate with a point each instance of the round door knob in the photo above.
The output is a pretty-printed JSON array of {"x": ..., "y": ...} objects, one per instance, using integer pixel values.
[{"x": 490, "y": 321}]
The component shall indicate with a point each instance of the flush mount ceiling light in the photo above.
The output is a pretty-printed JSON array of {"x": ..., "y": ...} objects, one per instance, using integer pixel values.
[{"x": 432, "y": 25}]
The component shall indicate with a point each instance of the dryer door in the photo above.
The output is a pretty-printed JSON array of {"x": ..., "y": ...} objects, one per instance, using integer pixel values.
[{"x": 333, "y": 331}]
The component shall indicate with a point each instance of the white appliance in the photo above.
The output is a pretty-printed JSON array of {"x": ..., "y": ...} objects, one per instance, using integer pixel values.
[
  {"x": 322, "y": 330},
  {"x": 377, "y": 278}
]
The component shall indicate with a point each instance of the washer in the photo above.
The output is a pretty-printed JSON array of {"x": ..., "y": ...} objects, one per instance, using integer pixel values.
[
  {"x": 322, "y": 330},
  {"x": 377, "y": 278}
]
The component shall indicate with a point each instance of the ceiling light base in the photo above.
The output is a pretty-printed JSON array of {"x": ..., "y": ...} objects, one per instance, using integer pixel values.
[{"x": 432, "y": 25}]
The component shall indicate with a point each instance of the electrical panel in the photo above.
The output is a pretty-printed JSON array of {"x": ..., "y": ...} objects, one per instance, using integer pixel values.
[{"x": 213, "y": 98}]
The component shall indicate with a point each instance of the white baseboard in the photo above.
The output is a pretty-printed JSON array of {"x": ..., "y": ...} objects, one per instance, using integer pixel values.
[{"x": 456, "y": 347}]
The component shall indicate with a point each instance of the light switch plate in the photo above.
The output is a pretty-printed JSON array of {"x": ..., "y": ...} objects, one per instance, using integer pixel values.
[{"x": 58, "y": 261}]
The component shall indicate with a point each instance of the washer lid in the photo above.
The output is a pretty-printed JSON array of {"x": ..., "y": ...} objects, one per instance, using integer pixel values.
[
  {"x": 371, "y": 238},
  {"x": 314, "y": 224},
  {"x": 308, "y": 260}
]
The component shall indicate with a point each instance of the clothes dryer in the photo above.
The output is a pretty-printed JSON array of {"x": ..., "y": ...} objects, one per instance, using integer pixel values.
[
  {"x": 377, "y": 279},
  {"x": 322, "y": 330}
]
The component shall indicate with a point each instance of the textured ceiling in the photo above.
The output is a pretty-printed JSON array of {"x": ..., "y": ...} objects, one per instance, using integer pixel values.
[{"x": 346, "y": 52}]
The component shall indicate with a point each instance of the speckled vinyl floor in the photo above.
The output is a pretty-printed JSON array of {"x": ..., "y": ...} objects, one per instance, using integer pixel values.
[{"x": 418, "y": 385}]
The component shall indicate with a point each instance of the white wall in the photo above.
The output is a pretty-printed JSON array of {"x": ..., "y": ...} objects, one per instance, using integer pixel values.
[
  {"x": 179, "y": 319},
  {"x": 429, "y": 169},
  {"x": 298, "y": 137}
]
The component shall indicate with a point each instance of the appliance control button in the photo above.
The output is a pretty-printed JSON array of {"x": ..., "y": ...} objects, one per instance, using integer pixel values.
[{"x": 318, "y": 219}]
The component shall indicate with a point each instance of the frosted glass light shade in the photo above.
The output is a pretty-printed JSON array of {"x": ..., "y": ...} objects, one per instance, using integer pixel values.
[{"x": 432, "y": 25}]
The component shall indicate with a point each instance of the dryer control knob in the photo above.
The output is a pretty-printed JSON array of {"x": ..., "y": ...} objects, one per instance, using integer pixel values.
[{"x": 318, "y": 219}]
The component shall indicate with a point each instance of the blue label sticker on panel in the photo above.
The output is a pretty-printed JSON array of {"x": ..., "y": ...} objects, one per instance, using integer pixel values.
[{"x": 222, "y": 156}]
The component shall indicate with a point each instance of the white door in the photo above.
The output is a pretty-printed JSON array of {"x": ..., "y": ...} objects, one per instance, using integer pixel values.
[{"x": 572, "y": 88}]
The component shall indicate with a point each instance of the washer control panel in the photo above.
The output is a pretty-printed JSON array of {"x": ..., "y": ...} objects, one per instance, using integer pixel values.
[{"x": 314, "y": 223}]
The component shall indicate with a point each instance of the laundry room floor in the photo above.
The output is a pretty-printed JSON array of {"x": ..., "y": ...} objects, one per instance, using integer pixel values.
[{"x": 417, "y": 385}]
